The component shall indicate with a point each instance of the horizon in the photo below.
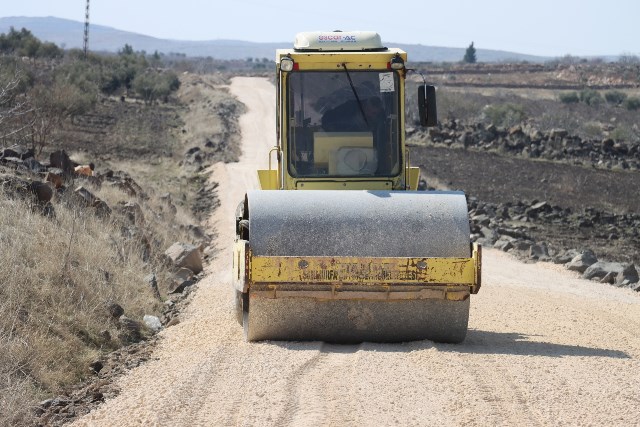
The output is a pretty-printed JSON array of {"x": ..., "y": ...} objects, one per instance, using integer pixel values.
[{"x": 558, "y": 29}]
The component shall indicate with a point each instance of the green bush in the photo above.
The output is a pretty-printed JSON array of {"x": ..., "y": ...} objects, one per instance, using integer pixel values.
[
  {"x": 569, "y": 98},
  {"x": 632, "y": 103},
  {"x": 151, "y": 86},
  {"x": 504, "y": 114},
  {"x": 590, "y": 97},
  {"x": 24, "y": 43},
  {"x": 615, "y": 97}
]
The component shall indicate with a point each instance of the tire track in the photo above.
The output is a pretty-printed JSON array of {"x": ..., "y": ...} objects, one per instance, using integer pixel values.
[{"x": 316, "y": 390}]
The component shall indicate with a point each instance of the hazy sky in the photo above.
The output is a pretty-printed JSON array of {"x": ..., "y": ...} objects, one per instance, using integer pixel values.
[{"x": 540, "y": 27}]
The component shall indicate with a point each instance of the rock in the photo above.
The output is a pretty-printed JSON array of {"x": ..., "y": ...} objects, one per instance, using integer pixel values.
[
  {"x": 102, "y": 208},
  {"x": 182, "y": 279},
  {"x": 115, "y": 310},
  {"x": 152, "y": 322},
  {"x": 558, "y": 133},
  {"x": 627, "y": 276},
  {"x": 540, "y": 252},
  {"x": 609, "y": 278},
  {"x": 130, "y": 330},
  {"x": 96, "y": 366},
  {"x": 152, "y": 281},
  {"x": 503, "y": 243},
  {"x": 42, "y": 191},
  {"x": 522, "y": 245},
  {"x": 59, "y": 159},
  {"x": 185, "y": 255},
  {"x": 33, "y": 165},
  {"x": 581, "y": 262},
  {"x": 538, "y": 208},
  {"x": 601, "y": 268},
  {"x": 481, "y": 219},
  {"x": 489, "y": 234},
  {"x": 85, "y": 195},
  {"x": 565, "y": 256},
  {"x": 17, "y": 151},
  {"x": 133, "y": 213}
]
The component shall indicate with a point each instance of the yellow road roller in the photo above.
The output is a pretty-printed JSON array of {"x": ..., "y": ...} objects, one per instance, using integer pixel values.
[{"x": 338, "y": 244}]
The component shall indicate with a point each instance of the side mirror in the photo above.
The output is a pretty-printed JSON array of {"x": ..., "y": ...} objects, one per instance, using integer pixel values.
[{"x": 427, "y": 106}]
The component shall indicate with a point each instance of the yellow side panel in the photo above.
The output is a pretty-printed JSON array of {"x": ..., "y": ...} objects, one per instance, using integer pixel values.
[
  {"x": 363, "y": 270},
  {"x": 414, "y": 178},
  {"x": 268, "y": 179}
]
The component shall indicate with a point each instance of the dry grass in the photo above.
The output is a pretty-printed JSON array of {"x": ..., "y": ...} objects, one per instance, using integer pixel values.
[{"x": 57, "y": 276}]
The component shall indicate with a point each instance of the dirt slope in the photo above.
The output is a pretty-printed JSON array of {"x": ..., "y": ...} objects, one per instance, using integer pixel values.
[{"x": 544, "y": 348}]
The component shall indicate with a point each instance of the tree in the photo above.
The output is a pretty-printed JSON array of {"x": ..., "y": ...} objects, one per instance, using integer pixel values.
[{"x": 470, "y": 55}]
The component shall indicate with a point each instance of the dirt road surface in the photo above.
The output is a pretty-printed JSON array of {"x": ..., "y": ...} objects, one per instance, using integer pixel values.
[{"x": 544, "y": 348}]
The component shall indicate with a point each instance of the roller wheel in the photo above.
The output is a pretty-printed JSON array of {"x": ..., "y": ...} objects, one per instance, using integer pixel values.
[
  {"x": 245, "y": 317},
  {"x": 238, "y": 306}
]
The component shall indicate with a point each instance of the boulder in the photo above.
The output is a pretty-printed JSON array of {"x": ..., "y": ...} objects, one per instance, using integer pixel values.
[
  {"x": 539, "y": 251},
  {"x": 85, "y": 195},
  {"x": 581, "y": 262},
  {"x": 33, "y": 165},
  {"x": 42, "y": 191},
  {"x": 181, "y": 279},
  {"x": 114, "y": 309},
  {"x": 610, "y": 278},
  {"x": 59, "y": 159},
  {"x": 17, "y": 151},
  {"x": 503, "y": 243},
  {"x": 627, "y": 276},
  {"x": 600, "y": 269},
  {"x": 133, "y": 212},
  {"x": 185, "y": 255},
  {"x": 565, "y": 256},
  {"x": 152, "y": 322},
  {"x": 130, "y": 330}
]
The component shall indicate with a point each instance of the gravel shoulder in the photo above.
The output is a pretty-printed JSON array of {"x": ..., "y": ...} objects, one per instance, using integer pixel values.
[{"x": 544, "y": 347}]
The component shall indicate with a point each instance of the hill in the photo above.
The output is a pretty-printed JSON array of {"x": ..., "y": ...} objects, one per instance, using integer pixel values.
[{"x": 69, "y": 34}]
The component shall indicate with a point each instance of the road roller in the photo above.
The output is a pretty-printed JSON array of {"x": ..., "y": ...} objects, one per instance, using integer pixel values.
[{"x": 338, "y": 244}]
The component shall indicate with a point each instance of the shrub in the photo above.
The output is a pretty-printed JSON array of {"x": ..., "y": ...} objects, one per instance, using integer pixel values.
[
  {"x": 590, "y": 97},
  {"x": 569, "y": 97},
  {"x": 615, "y": 97},
  {"x": 504, "y": 114},
  {"x": 632, "y": 103}
]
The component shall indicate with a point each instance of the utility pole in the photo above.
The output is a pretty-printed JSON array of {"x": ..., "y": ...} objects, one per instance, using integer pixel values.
[{"x": 86, "y": 31}]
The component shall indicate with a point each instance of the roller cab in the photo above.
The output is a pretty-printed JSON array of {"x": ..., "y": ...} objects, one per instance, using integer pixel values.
[{"x": 338, "y": 245}]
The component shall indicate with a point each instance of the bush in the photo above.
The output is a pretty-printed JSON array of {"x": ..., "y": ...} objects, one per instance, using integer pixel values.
[
  {"x": 615, "y": 97},
  {"x": 504, "y": 114},
  {"x": 24, "y": 43},
  {"x": 590, "y": 97},
  {"x": 152, "y": 86},
  {"x": 569, "y": 98},
  {"x": 632, "y": 104}
]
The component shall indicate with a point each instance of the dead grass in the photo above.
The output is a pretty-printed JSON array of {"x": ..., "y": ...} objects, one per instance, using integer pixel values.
[{"x": 58, "y": 275}]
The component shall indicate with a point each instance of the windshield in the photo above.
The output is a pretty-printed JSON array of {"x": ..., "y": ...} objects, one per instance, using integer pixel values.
[{"x": 343, "y": 123}]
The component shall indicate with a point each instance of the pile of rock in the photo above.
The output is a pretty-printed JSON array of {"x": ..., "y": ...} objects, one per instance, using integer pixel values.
[
  {"x": 529, "y": 142},
  {"x": 504, "y": 226}
]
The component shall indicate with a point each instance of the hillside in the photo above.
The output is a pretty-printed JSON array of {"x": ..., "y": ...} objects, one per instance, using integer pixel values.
[{"x": 69, "y": 34}]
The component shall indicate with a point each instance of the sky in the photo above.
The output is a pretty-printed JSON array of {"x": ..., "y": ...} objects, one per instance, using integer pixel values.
[{"x": 540, "y": 27}]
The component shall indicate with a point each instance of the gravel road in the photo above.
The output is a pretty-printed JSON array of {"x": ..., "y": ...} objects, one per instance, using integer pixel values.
[{"x": 544, "y": 348}]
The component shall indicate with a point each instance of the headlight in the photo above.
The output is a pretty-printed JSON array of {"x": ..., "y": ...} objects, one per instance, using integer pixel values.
[{"x": 286, "y": 64}]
